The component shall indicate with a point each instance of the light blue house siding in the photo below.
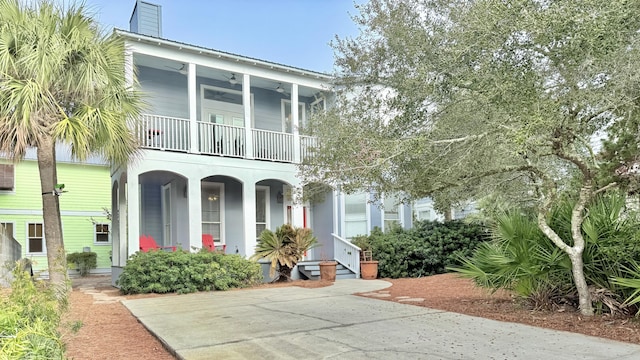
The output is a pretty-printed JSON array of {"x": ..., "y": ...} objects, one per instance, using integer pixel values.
[{"x": 167, "y": 95}]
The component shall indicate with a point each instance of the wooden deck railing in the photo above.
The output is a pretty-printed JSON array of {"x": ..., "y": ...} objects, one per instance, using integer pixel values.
[{"x": 218, "y": 139}]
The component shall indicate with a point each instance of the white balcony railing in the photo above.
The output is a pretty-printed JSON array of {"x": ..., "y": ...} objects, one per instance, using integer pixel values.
[
  {"x": 164, "y": 132},
  {"x": 346, "y": 254},
  {"x": 272, "y": 145},
  {"x": 224, "y": 140},
  {"x": 307, "y": 143},
  {"x": 171, "y": 133}
]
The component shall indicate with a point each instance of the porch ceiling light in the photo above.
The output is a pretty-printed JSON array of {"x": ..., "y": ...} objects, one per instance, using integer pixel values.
[
  {"x": 279, "y": 88},
  {"x": 233, "y": 80},
  {"x": 212, "y": 197}
]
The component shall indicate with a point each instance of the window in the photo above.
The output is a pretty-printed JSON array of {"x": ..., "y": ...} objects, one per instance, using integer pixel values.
[
  {"x": 6, "y": 228},
  {"x": 355, "y": 215},
  {"x": 212, "y": 205},
  {"x": 6, "y": 177},
  {"x": 287, "y": 116},
  {"x": 101, "y": 235},
  {"x": 262, "y": 209},
  {"x": 35, "y": 238},
  {"x": 391, "y": 207}
]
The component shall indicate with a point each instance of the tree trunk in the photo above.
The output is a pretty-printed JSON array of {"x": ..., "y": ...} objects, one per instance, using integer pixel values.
[
  {"x": 284, "y": 273},
  {"x": 584, "y": 297},
  {"x": 448, "y": 214},
  {"x": 56, "y": 256}
]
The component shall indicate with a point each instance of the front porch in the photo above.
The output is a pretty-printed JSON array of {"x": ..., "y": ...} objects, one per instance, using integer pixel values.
[{"x": 176, "y": 198}]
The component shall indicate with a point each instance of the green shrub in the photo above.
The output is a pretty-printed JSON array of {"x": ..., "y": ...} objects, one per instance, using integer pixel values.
[
  {"x": 83, "y": 261},
  {"x": 426, "y": 249},
  {"x": 520, "y": 258},
  {"x": 29, "y": 321},
  {"x": 184, "y": 272}
]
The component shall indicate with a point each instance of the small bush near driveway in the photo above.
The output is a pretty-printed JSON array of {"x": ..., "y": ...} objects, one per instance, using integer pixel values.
[{"x": 184, "y": 272}]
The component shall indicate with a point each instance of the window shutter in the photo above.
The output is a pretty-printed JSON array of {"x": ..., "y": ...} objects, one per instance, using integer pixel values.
[{"x": 6, "y": 176}]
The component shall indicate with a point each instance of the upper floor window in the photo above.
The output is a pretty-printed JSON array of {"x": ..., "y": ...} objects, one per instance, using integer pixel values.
[
  {"x": 287, "y": 116},
  {"x": 101, "y": 234},
  {"x": 35, "y": 238},
  {"x": 7, "y": 177}
]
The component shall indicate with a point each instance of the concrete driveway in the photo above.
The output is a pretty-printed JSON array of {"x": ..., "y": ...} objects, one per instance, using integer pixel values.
[{"x": 330, "y": 323}]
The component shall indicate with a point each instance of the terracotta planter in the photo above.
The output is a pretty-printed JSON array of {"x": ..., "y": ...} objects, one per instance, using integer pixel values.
[
  {"x": 369, "y": 269},
  {"x": 328, "y": 270}
]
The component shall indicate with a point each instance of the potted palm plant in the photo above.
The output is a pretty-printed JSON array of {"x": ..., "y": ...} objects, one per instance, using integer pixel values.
[
  {"x": 284, "y": 248},
  {"x": 368, "y": 266}
]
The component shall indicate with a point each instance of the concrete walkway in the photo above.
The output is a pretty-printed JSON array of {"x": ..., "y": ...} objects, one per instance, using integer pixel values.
[{"x": 330, "y": 323}]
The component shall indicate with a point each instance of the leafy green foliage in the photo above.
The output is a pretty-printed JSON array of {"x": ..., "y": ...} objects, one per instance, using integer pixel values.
[
  {"x": 284, "y": 248},
  {"x": 458, "y": 99},
  {"x": 29, "y": 321},
  {"x": 521, "y": 259},
  {"x": 426, "y": 249},
  {"x": 184, "y": 272},
  {"x": 83, "y": 261}
]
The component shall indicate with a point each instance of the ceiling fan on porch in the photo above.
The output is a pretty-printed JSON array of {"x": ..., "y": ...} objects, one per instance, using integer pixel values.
[
  {"x": 232, "y": 80},
  {"x": 182, "y": 69},
  {"x": 281, "y": 90}
]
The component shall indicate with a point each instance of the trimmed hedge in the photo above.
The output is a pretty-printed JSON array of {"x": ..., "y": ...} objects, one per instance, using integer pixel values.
[
  {"x": 426, "y": 249},
  {"x": 184, "y": 272}
]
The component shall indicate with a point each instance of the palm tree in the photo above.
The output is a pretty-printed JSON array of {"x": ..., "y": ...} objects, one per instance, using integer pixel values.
[
  {"x": 284, "y": 248},
  {"x": 62, "y": 80}
]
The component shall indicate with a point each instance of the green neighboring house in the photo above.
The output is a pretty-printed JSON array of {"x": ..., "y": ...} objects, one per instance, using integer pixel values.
[{"x": 84, "y": 222}]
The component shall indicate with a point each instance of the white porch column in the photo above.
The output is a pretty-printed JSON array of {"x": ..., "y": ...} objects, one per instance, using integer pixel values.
[
  {"x": 133, "y": 216},
  {"x": 195, "y": 213},
  {"x": 246, "y": 105},
  {"x": 249, "y": 212},
  {"x": 193, "y": 111},
  {"x": 296, "y": 123},
  {"x": 297, "y": 208},
  {"x": 128, "y": 67},
  {"x": 121, "y": 258}
]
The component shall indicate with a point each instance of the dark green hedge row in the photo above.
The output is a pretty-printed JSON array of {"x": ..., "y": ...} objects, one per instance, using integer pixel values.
[
  {"x": 426, "y": 249},
  {"x": 185, "y": 272}
]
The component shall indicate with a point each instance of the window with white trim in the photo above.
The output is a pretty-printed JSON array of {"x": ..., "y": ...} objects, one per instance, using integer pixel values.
[
  {"x": 287, "y": 116},
  {"x": 355, "y": 215},
  {"x": 262, "y": 209},
  {"x": 101, "y": 234},
  {"x": 392, "y": 212},
  {"x": 212, "y": 201},
  {"x": 35, "y": 238}
]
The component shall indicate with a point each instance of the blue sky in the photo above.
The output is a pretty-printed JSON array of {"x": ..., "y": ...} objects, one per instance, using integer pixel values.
[{"x": 291, "y": 32}]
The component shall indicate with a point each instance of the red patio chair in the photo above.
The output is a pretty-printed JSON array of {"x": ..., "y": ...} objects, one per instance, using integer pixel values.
[
  {"x": 208, "y": 243},
  {"x": 148, "y": 243}
]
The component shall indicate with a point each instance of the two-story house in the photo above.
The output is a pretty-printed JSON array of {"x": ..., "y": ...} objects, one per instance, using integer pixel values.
[
  {"x": 85, "y": 223},
  {"x": 221, "y": 139}
]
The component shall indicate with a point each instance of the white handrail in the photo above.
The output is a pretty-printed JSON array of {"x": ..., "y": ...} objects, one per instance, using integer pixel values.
[
  {"x": 164, "y": 132},
  {"x": 346, "y": 254},
  {"x": 272, "y": 145}
]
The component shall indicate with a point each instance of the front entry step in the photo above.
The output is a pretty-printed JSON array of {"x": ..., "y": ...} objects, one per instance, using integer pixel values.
[{"x": 311, "y": 270}]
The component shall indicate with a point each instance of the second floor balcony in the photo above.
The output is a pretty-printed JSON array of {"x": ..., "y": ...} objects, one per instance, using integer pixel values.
[
  {"x": 209, "y": 103},
  {"x": 175, "y": 134}
]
